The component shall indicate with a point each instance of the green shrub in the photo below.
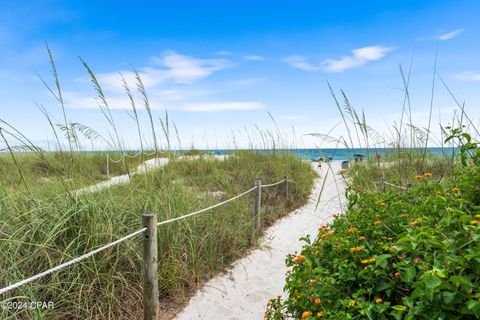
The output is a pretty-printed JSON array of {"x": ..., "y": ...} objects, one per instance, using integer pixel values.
[{"x": 411, "y": 254}]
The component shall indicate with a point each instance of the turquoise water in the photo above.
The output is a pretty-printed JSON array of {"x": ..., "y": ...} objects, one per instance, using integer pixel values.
[{"x": 343, "y": 154}]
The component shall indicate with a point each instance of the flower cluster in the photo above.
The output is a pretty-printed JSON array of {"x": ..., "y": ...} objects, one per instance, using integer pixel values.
[{"x": 405, "y": 254}]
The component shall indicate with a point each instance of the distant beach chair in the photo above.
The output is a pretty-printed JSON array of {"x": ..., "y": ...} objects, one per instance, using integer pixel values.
[
  {"x": 358, "y": 157},
  {"x": 345, "y": 164}
]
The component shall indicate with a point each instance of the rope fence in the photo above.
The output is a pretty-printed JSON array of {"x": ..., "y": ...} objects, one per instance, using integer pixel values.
[
  {"x": 123, "y": 156},
  {"x": 151, "y": 303},
  {"x": 394, "y": 185}
]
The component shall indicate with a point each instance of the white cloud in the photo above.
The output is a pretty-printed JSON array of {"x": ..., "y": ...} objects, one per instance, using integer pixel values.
[
  {"x": 358, "y": 58},
  {"x": 185, "y": 69},
  {"x": 468, "y": 75},
  {"x": 75, "y": 100},
  {"x": 300, "y": 62},
  {"x": 253, "y": 58},
  {"x": 170, "y": 67},
  {"x": 222, "y": 106},
  {"x": 450, "y": 35},
  {"x": 78, "y": 101}
]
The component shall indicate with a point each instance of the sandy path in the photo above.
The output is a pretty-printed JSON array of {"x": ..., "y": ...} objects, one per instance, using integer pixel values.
[
  {"x": 146, "y": 166},
  {"x": 241, "y": 293}
]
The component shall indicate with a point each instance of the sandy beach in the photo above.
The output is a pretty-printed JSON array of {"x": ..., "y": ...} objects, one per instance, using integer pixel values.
[{"x": 242, "y": 292}]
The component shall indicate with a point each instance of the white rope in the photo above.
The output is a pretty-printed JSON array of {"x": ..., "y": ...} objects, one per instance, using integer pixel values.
[
  {"x": 272, "y": 184},
  {"x": 206, "y": 209},
  {"x": 126, "y": 155},
  {"x": 68, "y": 263},
  {"x": 395, "y": 186},
  {"x": 131, "y": 235}
]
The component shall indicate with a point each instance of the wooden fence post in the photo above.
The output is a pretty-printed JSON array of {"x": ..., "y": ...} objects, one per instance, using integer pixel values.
[
  {"x": 285, "y": 185},
  {"x": 257, "y": 194},
  {"x": 150, "y": 256}
]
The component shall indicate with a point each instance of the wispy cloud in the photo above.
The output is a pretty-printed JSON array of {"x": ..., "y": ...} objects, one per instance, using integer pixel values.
[
  {"x": 222, "y": 106},
  {"x": 358, "y": 58},
  {"x": 170, "y": 67},
  {"x": 185, "y": 69},
  {"x": 301, "y": 62},
  {"x": 253, "y": 58},
  {"x": 79, "y": 101},
  {"x": 450, "y": 35},
  {"x": 468, "y": 75}
]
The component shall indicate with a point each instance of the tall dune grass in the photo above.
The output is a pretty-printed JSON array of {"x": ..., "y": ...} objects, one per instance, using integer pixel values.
[{"x": 44, "y": 223}]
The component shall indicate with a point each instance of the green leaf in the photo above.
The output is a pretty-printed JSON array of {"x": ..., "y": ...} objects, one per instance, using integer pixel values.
[
  {"x": 410, "y": 274},
  {"x": 448, "y": 296},
  {"x": 400, "y": 307}
]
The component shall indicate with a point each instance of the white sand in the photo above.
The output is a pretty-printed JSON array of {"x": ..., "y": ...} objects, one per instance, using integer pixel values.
[{"x": 244, "y": 290}]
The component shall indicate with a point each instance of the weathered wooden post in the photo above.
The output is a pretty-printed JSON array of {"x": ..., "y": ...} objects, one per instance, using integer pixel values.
[
  {"x": 150, "y": 256},
  {"x": 285, "y": 185},
  {"x": 108, "y": 167},
  {"x": 257, "y": 198}
]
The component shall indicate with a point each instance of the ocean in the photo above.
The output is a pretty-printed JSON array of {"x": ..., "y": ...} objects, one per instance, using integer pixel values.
[{"x": 343, "y": 154}]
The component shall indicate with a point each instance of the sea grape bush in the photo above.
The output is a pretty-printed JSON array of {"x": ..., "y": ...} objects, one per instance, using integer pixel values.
[{"x": 411, "y": 254}]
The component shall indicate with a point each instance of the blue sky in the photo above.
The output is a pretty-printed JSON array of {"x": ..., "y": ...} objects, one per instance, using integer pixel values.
[{"x": 220, "y": 66}]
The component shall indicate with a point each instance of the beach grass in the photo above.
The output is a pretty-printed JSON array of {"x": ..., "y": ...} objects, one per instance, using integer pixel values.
[{"x": 40, "y": 233}]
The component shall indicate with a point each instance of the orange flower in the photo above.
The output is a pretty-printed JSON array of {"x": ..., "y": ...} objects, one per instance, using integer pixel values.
[
  {"x": 362, "y": 238},
  {"x": 299, "y": 258},
  {"x": 397, "y": 274},
  {"x": 378, "y": 300},
  {"x": 288, "y": 271},
  {"x": 427, "y": 174},
  {"x": 320, "y": 314},
  {"x": 474, "y": 222},
  {"x": 377, "y": 216},
  {"x": 322, "y": 228},
  {"x": 477, "y": 216},
  {"x": 313, "y": 281},
  {"x": 412, "y": 223},
  {"x": 418, "y": 177},
  {"x": 352, "y": 303},
  {"x": 438, "y": 193},
  {"x": 317, "y": 301},
  {"x": 352, "y": 230},
  {"x": 404, "y": 215},
  {"x": 381, "y": 203},
  {"x": 455, "y": 189},
  {"x": 366, "y": 261},
  {"x": 355, "y": 249},
  {"x": 378, "y": 222},
  {"x": 306, "y": 314},
  {"x": 326, "y": 235}
]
